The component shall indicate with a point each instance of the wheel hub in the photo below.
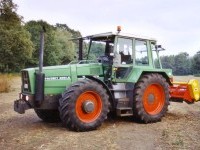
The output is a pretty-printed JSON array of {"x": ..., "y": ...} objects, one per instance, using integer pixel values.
[
  {"x": 88, "y": 106},
  {"x": 151, "y": 98}
]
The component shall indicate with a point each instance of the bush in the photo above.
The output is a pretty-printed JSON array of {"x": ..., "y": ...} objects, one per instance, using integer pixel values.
[{"x": 5, "y": 83}]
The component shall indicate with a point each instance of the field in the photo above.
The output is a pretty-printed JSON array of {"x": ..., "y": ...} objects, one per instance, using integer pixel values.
[{"x": 179, "y": 129}]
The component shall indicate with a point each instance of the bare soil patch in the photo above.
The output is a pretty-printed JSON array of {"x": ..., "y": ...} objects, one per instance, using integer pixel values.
[{"x": 179, "y": 129}]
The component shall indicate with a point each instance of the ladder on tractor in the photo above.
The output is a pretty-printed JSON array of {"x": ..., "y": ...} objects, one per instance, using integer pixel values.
[{"x": 122, "y": 99}]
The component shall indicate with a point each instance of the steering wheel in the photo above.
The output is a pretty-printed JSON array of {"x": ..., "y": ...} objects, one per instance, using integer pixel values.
[{"x": 103, "y": 59}]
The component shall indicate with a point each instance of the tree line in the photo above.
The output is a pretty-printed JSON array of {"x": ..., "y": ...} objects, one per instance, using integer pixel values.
[
  {"x": 182, "y": 64},
  {"x": 20, "y": 43}
]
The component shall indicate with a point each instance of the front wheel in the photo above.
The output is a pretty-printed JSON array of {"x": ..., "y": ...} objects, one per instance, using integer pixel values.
[
  {"x": 151, "y": 98},
  {"x": 48, "y": 115},
  {"x": 84, "y": 106}
]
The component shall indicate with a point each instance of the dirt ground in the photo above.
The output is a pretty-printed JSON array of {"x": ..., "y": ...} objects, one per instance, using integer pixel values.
[{"x": 179, "y": 129}]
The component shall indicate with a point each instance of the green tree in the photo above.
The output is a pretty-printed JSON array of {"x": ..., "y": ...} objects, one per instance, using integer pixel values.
[
  {"x": 168, "y": 62},
  {"x": 65, "y": 46},
  {"x": 58, "y": 48},
  {"x": 196, "y": 63},
  {"x": 8, "y": 16},
  {"x": 73, "y": 34},
  {"x": 34, "y": 28},
  {"x": 182, "y": 64},
  {"x": 64, "y": 27},
  {"x": 15, "y": 45}
]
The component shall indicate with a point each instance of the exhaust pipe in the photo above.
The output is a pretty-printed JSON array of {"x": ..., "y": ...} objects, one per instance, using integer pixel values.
[
  {"x": 80, "y": 49},
  {"x": 41, "y": 53},
  {"x": 40, "y": 76}
]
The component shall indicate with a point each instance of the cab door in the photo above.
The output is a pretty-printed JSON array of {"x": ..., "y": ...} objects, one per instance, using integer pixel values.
[{"x": 123, "y": 59}]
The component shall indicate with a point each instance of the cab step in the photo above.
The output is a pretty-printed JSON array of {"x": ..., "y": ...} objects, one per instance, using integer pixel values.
[
  {"x": 123, "y": 102},
  {"x": 124, "y": 111}
]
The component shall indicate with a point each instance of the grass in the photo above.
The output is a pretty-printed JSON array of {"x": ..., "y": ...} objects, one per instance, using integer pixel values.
[{"x": 5, "y": 81}]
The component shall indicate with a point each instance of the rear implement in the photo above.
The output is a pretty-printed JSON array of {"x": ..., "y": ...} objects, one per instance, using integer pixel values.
[{"x": 185, "y": 91}]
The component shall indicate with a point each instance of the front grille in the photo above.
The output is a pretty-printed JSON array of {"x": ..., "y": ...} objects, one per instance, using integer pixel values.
[{"x": 25, "y": 82}]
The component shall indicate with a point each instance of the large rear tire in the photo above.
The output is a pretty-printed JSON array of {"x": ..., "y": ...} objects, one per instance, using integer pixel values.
[
  {"x": 84, "y": 106},
  {"x": 48, "y": 115},
  {"x": 151, "y": 98}
]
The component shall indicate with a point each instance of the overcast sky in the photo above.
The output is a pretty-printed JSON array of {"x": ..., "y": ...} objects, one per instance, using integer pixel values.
[{"x": 174, "y": 23}]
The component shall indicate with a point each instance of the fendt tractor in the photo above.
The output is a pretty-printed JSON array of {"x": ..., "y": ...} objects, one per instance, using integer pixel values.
[{"x": 127, "y": 80}]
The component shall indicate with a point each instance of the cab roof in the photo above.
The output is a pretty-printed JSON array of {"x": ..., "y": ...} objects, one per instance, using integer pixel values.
[{"x": 112, "y": 34}]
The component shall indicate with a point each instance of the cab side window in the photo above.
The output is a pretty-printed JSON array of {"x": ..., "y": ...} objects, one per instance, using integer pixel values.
[
  {"x": 124, "y": 50},
  {"x": 155, "y": 56},
  {"x": 141, "y": 53}
]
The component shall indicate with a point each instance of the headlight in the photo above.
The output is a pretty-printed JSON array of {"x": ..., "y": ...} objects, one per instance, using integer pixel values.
[
  {"x": 26, "y": 86},
  {"x": 27, "y": 98}
]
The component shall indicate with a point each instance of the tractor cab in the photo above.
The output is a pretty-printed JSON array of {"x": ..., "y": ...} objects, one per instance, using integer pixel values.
[
  {"x": 121, "y": 53},
  {"x": 123, "y": 48}
]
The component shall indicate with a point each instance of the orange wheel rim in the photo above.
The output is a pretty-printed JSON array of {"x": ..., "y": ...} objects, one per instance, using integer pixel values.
[
  {"x": 93, "y": 98},
  {"x": 153, "y": 99}
]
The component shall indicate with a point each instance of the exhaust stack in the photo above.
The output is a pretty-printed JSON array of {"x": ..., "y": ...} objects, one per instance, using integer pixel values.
[
  {"x": 41, "y": 53},
  {"x": 40, "y": 76}
]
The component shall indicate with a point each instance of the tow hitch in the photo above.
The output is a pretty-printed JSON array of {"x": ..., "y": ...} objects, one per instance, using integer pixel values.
[{"x": 21, "y": 105}]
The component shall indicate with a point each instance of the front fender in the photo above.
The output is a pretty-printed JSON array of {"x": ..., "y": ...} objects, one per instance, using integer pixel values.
[{"x": 111, "y": 97}]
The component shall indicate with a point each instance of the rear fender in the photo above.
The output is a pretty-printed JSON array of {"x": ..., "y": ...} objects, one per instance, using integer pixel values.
[{"x": 168, "y": 79}]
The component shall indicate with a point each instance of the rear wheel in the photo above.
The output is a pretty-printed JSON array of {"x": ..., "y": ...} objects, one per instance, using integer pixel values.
[
  {"x": 48, "y": 115},
  {"x": 84, "y": 106},
  {"x": 151, "y": 98}
]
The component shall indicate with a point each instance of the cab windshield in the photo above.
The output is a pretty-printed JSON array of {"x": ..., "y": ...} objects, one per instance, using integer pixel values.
[{"x": 99, "y": 47}]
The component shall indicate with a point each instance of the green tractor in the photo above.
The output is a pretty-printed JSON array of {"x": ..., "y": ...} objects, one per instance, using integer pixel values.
[{"x": 127, "y": 80}]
